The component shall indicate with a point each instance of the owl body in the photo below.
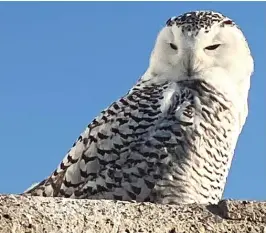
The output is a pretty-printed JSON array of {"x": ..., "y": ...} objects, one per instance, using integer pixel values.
[{"x": 171, "y": 138}]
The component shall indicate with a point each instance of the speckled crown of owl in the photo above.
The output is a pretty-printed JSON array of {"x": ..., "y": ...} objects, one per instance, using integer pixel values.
[{"x": 197, "y": 20}]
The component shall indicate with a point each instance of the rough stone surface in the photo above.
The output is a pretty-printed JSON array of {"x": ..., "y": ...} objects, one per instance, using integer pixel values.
[{"x": 19, "y": 214}]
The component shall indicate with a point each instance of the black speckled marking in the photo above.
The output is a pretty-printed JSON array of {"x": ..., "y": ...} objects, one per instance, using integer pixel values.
[{"x": 197, "y": 20}]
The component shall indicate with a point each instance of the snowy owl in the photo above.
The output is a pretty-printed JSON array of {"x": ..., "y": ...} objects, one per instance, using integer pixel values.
[{"x": 172, "y": 137}]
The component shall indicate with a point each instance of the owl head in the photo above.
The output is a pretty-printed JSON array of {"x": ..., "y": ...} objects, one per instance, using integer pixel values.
[{"x": 203, "y": 45}]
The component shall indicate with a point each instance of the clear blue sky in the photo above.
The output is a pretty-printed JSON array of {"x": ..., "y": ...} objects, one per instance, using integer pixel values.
[{"x": 62, "y": 63}]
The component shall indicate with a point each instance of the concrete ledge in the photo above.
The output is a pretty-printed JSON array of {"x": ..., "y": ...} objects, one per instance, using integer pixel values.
[{"x": 19, "y": 214}]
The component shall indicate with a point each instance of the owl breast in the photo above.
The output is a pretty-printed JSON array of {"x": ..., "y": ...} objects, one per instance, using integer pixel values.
[
  {"x": 199, "y": 160},
  {"x": 185, "y": 153}
]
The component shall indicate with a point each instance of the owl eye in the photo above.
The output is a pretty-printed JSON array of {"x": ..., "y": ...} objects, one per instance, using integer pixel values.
[
  {"x": 212, "y": 47},
  {"x": 173, "y": 46}
]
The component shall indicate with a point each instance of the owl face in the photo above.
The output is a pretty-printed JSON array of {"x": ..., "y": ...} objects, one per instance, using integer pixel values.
[{"x": 202, "y": 45}]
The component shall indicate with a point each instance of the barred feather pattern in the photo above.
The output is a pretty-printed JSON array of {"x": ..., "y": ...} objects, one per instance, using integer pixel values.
[{"x": 170, "y": 142}]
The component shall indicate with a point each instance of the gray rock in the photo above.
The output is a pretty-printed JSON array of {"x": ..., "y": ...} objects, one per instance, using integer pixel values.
[{"x": 21, "y": 214}]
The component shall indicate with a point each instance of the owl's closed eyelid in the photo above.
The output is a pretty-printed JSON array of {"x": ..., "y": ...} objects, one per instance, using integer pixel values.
[
  {"x": 212, "y": 47},
  {"x": 173, "y": 46}
]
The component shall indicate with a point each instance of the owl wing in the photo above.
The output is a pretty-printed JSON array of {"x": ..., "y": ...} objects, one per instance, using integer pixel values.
[{"x": 143, "y": 121}]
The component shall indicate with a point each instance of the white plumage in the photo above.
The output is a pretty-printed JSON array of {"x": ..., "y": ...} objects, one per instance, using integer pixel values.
[{"x": 172, "y": 137}]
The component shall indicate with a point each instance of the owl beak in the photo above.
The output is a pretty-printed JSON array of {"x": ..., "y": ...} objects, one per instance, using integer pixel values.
[
  {"x": 189, "y": 67},
  {"x": 189, "y": 71},
  {"x": 191, "y": 64}
]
